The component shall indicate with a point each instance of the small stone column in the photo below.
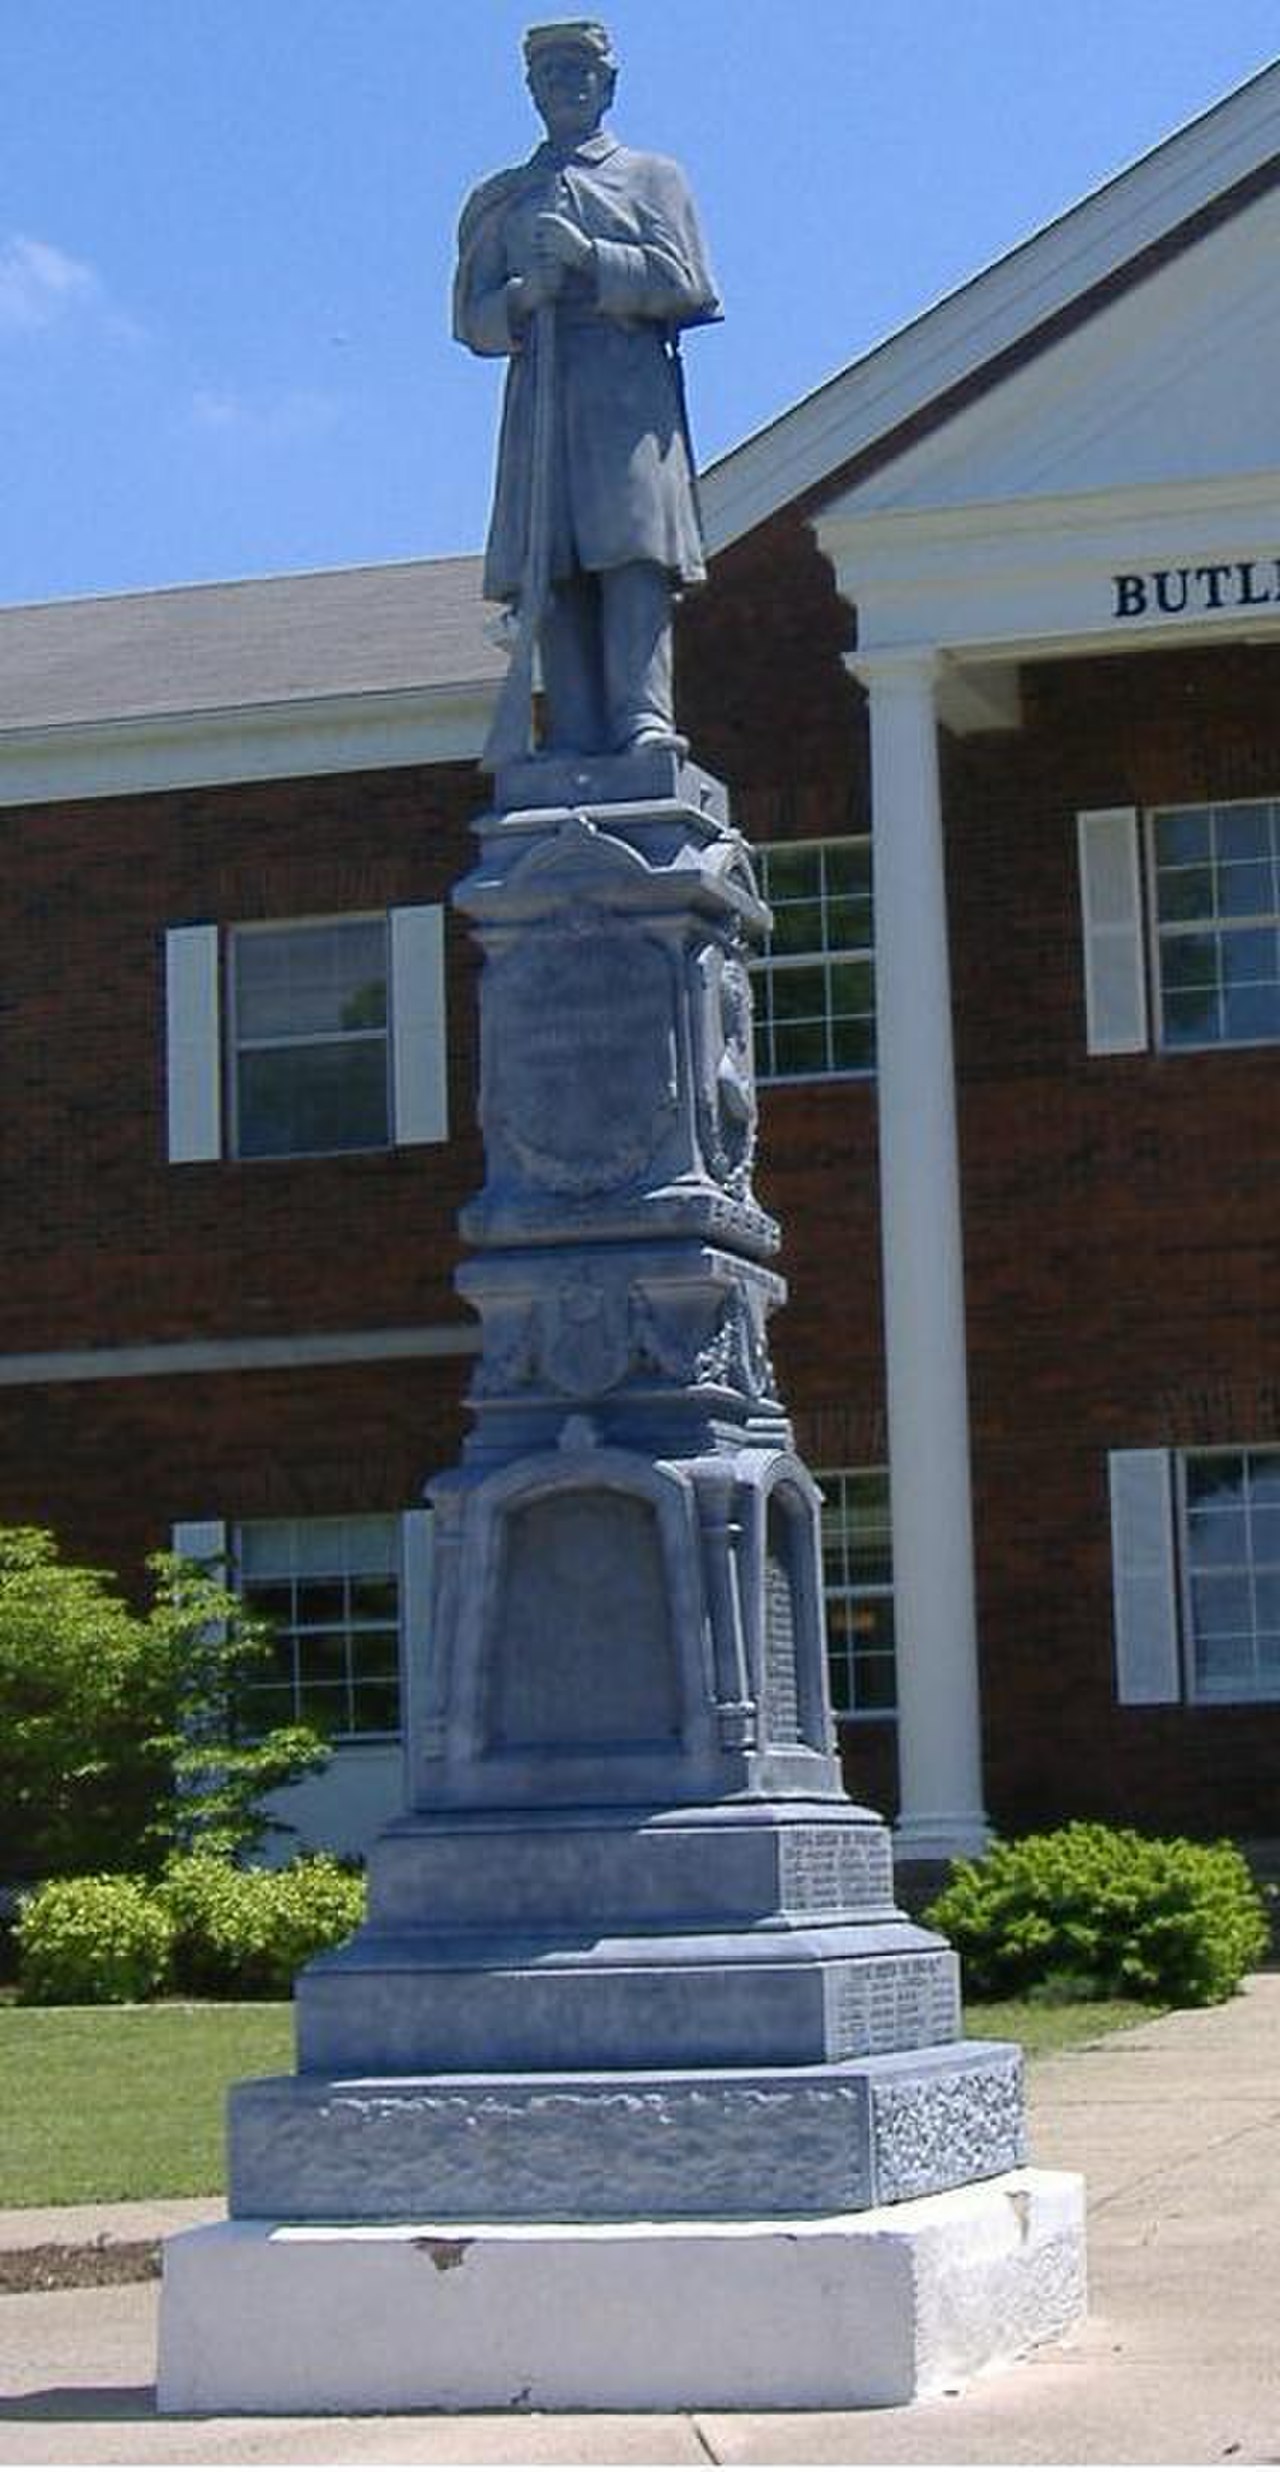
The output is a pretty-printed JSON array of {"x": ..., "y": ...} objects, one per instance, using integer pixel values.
[{"x": 939, "y": 1736}]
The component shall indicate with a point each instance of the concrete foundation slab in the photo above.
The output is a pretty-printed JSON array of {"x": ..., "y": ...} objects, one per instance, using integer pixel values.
[{"x": 876, "y": 2308}]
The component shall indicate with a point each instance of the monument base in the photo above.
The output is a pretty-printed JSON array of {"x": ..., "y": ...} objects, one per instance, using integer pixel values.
[{"x": 843, "y": 2311}]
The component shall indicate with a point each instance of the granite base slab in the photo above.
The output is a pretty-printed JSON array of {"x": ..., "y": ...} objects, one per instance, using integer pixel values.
[
  {"x": 653, "y": 2144},
  {"x": 864, "y": 2311}
]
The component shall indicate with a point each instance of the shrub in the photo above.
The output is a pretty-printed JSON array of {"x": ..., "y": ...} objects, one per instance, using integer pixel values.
[
  {"x": 97, "y": 1939},
  {"x": 247, "y": 1933},
  {"x": 119, "y": 1727},
  {"x": 1092, "y": 1912}
]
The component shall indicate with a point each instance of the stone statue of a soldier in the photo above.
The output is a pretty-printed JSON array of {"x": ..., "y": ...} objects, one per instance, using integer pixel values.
[{"x": 581, "y": 266}]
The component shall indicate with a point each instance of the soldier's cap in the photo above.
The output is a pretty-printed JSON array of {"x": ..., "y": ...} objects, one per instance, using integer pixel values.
[{"x": 586, "y": 33}]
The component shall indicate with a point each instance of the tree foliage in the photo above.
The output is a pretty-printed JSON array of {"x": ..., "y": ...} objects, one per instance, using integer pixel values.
[{"x": 121, "y": 1731}]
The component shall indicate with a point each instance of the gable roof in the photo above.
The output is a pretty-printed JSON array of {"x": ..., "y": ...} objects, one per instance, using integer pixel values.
[{"x": 1208, "y": 170}]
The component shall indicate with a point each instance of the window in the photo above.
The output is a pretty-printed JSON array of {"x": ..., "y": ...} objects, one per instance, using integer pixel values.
[
  {"x": 857, "y": 1566},
  {"x": 309, "y": 1036},
  {"x": 334, "y": 1037},
  {"x": 1196, "y": 1555},
  {"x": 331, "y": 1590},
  {"x": 1215, "y": 876},
  {"x": 1209, "y": 942},
  {"x": 1230, "y": 1520},
  {"x": 814, "y": 984}
]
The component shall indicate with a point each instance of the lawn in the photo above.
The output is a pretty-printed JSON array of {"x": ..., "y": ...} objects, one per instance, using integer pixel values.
[{"x": 105, "y": 2103}]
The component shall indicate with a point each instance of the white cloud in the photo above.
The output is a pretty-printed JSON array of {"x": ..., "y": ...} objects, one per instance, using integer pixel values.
[
  {"x": 280, "y": 416},
  {"x": 39, "y": 284}
]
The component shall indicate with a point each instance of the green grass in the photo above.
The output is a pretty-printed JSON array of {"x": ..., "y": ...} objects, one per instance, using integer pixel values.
[
  {"x": 1044, "y": 2027},
  {"x": 98, "y": 2104},
  {"x": 105, "y": 2103}
]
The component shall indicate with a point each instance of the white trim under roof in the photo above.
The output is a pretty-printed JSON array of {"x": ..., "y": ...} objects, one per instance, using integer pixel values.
[
  {"x": 963, "y": 333},
  {"x": 365, "y": 732}
]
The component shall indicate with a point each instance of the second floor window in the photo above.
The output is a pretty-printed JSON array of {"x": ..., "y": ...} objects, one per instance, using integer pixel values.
[
  {"x": 309, "y": 1025},
  {"x": 814, "y": 984},
  {"x": 1216, "y": 879}
]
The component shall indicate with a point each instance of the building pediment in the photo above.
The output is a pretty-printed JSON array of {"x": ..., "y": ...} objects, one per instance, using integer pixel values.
[{"x": 1175, "y": 381}]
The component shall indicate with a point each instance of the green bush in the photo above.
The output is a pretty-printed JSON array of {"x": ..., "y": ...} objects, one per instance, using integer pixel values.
[
  {"x": 102, "y": 1938},
  {"x": 247, "y": 1933},
  {"x": 1089, "y": 1912}
]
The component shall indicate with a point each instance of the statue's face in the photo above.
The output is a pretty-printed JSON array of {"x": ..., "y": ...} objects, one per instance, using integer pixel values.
[{"x": 571, "y": 91}]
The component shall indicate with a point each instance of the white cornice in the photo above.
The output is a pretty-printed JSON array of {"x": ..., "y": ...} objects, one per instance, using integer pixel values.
[
  {"x": 959, "y": 336},
  {"x": 1010, "y": 579},
  {"x": 185, "y": 750}
]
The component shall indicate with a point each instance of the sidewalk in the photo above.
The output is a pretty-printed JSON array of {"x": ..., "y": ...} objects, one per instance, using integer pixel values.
[{"x": 1176, "y": 2127}]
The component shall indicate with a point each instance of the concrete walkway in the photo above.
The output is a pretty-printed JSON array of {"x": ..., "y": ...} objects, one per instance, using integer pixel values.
[{"x": 1176, "y": 2127}]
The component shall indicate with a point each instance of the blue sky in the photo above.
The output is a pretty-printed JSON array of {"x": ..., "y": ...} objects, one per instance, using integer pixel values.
[{"x": 226, "y": 235}]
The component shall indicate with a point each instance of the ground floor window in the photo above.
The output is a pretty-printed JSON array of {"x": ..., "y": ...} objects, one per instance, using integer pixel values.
[
  {"x": 857, "y": 1567},
  {"x": 331, "y": 1590},
  {"x": 1229, "y": 1502}
]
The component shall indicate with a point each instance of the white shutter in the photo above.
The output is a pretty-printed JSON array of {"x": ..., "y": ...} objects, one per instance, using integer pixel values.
[
  {"x": 419, "y": 1054},
  {"x": 199, "y": 1540},
  {"x": 1115, "y": 979},
  {"x": 415, "y": 1629},
  {"x": 1146, "y": 1595},
  {"x": 194, "y": 1058}
]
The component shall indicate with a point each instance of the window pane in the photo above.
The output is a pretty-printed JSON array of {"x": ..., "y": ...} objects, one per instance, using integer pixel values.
[
  {"x": 1192, "y": 1020},
  {"x": 321, "y": 1601},
  {"x": 324, "y": 1705},
  {"x": 292, "y": 982},
  {"x": 797, "y": 927},
  {"x": 1189, "y": 961},
  {"x": 299, "y": 1099},
  {"x": 1244, "y": 832},
  {"x": 1183, "y": 836},
  {"x": 375, "y": 1655},
  {"x": 800, "y": 1048},
  {"x": 1246, "y": 891},
  {"x": 1221, "y": 1603},
  {"x": 876, "y": 1686},
  {"x": 322, "y": 1657},
  {"x": 1252, "y": 1012},
  {"x": 847, "y": 867},
  {"x": 848, "y": 924},
  {"x": 791, "y": 874},
  {"x": 1217, "y": 1537},
  {"x": 375, "y": 1708},
  {"x": 1264, "y": 1476},
  {"x": 1216, "y": 1480},
  {"x": 1185, "y": 892}
]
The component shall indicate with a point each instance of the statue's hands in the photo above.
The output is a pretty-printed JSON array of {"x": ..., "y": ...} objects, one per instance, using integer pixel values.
[
  {"x": 559, "y": 244},
  {"x": 534, "y": 289}
]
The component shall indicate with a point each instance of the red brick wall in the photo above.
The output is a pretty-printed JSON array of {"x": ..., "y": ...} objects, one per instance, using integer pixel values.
[{"x": 104, "y": 1242}]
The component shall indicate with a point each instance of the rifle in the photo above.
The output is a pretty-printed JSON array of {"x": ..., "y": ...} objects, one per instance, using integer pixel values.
[{"x": 511, "y": 730}]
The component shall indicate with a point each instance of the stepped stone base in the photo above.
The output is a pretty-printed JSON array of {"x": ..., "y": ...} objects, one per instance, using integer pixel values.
[
  {"x": 865, "y": 2310},
  {"x": 626, "y": 2143}
]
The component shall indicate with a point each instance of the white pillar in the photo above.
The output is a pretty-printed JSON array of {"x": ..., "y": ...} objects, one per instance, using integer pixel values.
[{"x": 939, "y": 1734}]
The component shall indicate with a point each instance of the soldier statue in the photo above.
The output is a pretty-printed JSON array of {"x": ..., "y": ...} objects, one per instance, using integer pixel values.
[{"x": 580, "y": 267}]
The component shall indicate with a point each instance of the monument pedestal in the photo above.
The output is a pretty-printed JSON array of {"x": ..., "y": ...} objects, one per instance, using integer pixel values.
[
  {"x": 869, "y": 2309},
  {"x": 636, "y": 2088}
]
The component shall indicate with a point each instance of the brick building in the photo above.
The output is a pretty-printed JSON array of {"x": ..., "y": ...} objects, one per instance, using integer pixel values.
[{"x": 1021, "y": 1132}]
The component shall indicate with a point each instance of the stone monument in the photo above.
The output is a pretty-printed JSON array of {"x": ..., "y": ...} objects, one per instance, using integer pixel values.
[{"x": 636, "y": 2089}]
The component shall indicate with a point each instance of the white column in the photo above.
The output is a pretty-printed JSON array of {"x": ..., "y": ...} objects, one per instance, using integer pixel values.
[{"x": 939, "y": 1738}]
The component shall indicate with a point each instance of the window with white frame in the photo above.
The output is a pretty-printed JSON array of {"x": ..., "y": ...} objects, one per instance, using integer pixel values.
[
  {"x": 815, "y": 979},
  {"x": 1196, "y": 1553},
  {"x": 305, "y": 1038},
  {"x": 1230, "y": 1524},
  {"x": 330, "y": 1589},
  {"x": 1181, "y": 915},
  {"x": 857, "y": 1569},
  {"x": 1215, "y": 878},
  {"x": 309, "y": 1017}
]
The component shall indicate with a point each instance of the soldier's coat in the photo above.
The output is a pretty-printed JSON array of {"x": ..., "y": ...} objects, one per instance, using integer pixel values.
[{"x": 622, "y": 487}]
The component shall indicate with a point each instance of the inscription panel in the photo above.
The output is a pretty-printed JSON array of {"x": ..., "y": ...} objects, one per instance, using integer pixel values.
[
  {"x": 891, "y": 2004},
  {"x": 781, "y": 1685},
  {"x": 835, "y": 1870},
  {"x": 579, "y": 1060}
]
